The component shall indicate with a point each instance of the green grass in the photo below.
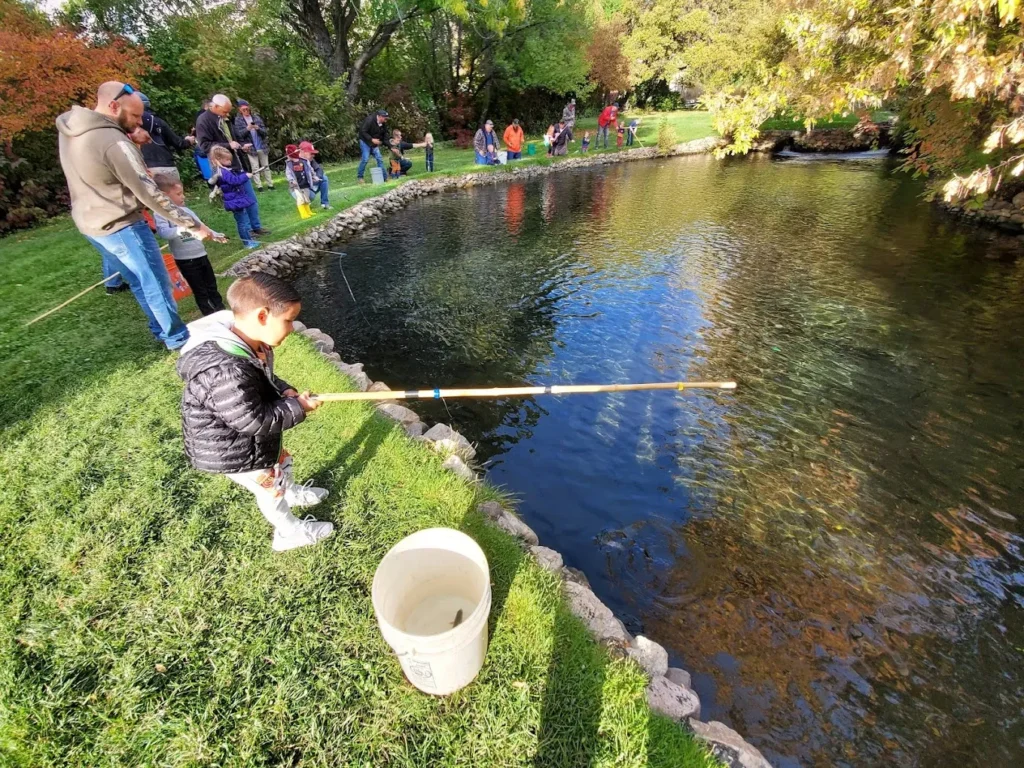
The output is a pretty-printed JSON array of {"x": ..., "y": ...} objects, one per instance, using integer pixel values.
[{"x": 145, "y": 621}]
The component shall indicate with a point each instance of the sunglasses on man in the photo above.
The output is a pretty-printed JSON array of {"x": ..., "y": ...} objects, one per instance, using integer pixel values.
[{"x": 126, "y": 90}]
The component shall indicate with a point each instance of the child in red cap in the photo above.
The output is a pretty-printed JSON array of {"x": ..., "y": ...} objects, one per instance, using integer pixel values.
[{"x": 305, "y": 173}]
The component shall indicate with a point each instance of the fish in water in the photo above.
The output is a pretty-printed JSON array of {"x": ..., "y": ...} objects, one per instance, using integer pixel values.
[{"x": 458, "y": 619}]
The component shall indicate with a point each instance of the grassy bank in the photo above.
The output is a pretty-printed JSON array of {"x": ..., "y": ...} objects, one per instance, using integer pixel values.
[{"x": 145, "y": 620}]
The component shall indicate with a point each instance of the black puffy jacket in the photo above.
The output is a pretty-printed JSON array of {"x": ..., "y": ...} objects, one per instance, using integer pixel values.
[{"x": 232, "y": 412}]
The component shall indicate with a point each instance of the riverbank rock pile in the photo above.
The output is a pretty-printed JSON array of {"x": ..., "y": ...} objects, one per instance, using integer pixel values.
[
  {"x": 858, "y": 139},
  {"x": 284, "y": 258},
  {"x": 669, "y": 690},
  {"x": 1004, "y": 214}
]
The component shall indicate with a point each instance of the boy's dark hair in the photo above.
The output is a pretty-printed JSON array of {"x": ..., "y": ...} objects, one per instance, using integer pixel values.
[
  {"x": 164, "y": 182},
  {"x": 261, "y": 290}
]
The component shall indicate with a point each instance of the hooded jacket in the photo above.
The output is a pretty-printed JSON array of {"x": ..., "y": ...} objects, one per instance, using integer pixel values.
[
  {"x": 107, "y": 177},
  {"x": 232, "y": 411},
  {"x": 159, "y": 153}
]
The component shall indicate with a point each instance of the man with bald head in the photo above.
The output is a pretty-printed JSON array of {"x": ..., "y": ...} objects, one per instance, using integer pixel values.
[{"x": 109, "y": 187}]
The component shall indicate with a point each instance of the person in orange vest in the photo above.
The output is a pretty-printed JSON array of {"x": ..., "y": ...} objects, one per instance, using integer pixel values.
[{"x": 514, "y": 140}]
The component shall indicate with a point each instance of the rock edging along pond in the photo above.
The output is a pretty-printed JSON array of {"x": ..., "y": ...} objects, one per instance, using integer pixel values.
[
  {"x": 669, "y": 690},
  {"x": 285, "y": 257}
]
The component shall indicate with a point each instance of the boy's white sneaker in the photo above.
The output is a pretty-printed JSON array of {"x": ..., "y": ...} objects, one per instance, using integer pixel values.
[
  {"x": 305, "y": 534},
  {"x": 304, "y": 495}
]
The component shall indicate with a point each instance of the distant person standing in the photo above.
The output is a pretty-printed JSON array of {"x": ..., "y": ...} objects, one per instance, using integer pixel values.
[
  {"x": 569, "y": 114},
  {"x": 485, "y": 145},
  {"x": 159, "y": 151},
  {"x": 109, "y": 187},
  {"x": 634, "y": 125},
  {"x": 514, "y": 140},
  {"x": 563, "y": 135},
  {"x": 372, "y": 136},
  {"x": 607, "y": 119},
  {"x": 248, "y": 123}
]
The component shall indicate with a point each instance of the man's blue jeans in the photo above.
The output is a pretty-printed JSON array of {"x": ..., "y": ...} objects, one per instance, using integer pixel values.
[
  {"x": 110, "y": 268},
  {"x": 323, "y": 189},
  {"x": 366, "y": 150},
  {"x": 133, "y": 251},
  {"x": 254, "y": 209}
]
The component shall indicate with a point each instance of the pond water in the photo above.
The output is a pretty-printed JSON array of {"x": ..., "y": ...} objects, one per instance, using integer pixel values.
[{"x": 835, "y": 549}]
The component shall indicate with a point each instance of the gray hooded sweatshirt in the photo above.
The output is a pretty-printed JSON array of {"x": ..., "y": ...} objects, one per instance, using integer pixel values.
[{"x": 107, "y": 176}]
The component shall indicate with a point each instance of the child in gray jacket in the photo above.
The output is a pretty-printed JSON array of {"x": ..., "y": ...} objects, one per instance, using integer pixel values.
[{"x": 188, "y": 252}]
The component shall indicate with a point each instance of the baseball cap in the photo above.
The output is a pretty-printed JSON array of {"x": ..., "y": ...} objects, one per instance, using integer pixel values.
[
  {"x": 144, "y": 97},
  {"x": 489, "y": 122},
  {"x": 243, "y": 103},
  {"x": 382, "y": 113},
  {"x": 307, "y": 146}
]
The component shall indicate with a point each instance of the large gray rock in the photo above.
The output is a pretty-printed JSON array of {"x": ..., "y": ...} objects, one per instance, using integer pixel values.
[
  {"x": 575, "y": 575},
  {"x": 1018, "y": 200},
  {"x": 649, "y": 655},
  {"x": 416, "y": 429},
  {"x": 547, "y": 559},
  {"x": 355, "y": 372},
  {"x": 457, "y": 466},
  {"x": 490, "y": 509},
  {"x": 667, "y": 698},
  {"x": 447, "y": 440},
  {"x": 512, "y": 524},
  {"x": 596, "y": 615},
  {"x": 399, "y": 413},
  {"x": 679, "y": 677},
  {"x": 298, "y": 327},
  {"x": 728, "y": 746}
]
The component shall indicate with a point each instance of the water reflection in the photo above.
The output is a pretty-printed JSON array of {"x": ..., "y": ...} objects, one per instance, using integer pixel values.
[{"x": 835, "y": 549}]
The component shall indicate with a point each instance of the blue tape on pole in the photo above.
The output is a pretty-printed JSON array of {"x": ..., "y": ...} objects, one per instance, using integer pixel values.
[{"x": 437, "y": 394}]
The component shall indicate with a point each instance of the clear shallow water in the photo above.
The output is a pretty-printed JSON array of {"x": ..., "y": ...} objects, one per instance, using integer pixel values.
[{"x": 835, "y": 549}]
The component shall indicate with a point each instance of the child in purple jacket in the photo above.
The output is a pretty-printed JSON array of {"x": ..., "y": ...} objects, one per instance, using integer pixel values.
[{"x": 238, "y": 196}]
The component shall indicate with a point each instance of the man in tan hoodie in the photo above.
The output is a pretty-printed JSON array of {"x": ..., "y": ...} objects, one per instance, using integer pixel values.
[{"x": 109, "y": 187}]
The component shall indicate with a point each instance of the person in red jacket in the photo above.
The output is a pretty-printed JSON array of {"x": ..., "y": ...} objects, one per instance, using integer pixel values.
[{"x": 608, "y": 118}]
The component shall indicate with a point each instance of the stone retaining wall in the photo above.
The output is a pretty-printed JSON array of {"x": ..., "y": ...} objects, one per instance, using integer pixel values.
[
  {"x": 1006, "y": 215},
  {"x": 825, "y": 140},
  {"x": 669, "y": 691},
  {"x": 285, "y": 257}
]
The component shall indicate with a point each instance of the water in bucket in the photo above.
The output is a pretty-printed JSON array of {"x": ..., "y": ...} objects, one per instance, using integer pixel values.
[{"x": 432, "y": 597}]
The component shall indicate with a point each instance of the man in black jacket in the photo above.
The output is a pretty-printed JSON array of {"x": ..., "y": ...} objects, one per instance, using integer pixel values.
[
  {"x": 164, "y": 142},
  {"x": 372, "y": 136},
  {"x": 234, "y": 408},
  {"x": 213, "y": 129}
]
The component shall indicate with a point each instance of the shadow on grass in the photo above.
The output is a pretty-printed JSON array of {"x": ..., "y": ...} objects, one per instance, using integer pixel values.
[
  {"x": 571, "y": 714},
  {"x": 568, "y": 733}
]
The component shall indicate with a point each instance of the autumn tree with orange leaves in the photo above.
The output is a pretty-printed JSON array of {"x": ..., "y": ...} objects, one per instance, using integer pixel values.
[{"x": 44, "y": 69}]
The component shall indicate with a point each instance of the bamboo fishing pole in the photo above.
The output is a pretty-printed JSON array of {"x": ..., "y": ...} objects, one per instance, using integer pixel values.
[{"x": 556, "y": 389}]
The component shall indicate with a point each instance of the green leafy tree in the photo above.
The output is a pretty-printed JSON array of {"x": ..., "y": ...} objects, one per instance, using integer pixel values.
[{"x": 703, "y": 43}]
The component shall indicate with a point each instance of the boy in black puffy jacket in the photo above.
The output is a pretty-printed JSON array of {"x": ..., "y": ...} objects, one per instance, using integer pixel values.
[{"x": 234, "y": 409}]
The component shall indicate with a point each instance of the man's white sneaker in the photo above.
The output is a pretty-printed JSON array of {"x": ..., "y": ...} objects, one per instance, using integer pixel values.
[
  {"x": 304, "y": 495},
  {"x": 306, "y": 533}
]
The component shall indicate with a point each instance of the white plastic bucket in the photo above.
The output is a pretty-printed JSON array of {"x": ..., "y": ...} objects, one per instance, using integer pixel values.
[
  {"x": 502, "y": 156},
  {"x": 376, "y": 176},
  {"x": 432, "y": 597}
]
